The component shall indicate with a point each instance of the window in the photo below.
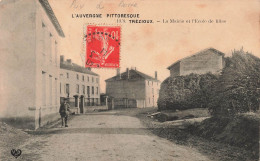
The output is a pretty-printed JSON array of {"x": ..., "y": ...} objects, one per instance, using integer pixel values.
[
  {"x": 68, "y": 75},
  {"x": 67, "y": 88},
  {"x": 97, "y": 80},
  {"x": 50, "y": 90},
  {"x": 77, "y": 77},
  {"x": 56, "y": 92},
  {"x": 83, "y": 89},
  {"x": 44, "y": 88},
  {"x": 43, "y": 41},
  {"x": 51, "y": 46},
  {"x": 97, "y": 90},
  {"x": 83, "y": 78},
  {"x": 88, "y": 90},
  {"x": 56, "y": 52},
  {"x": 92, "y": 90},
  {"x": 92, "y": 79},
  {"x": 88, "y": 78},
  {"x": 77, "y": 88}
]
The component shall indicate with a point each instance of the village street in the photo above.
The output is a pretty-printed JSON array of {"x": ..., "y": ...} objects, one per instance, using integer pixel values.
[{"x": 103, "y": 136}]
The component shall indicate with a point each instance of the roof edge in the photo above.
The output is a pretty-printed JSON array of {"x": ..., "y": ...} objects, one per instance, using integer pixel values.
[
  {"x": 45, "y": 4},
  {"x": 138, "y": 72},
  {"x": 173, "y": 64},
  {"x": 70, "y": 66},
  {"x": 210, "y": 48}
]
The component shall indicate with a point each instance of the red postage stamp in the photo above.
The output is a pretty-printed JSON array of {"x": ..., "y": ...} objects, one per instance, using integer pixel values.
[{"x": 102, "y": 46}]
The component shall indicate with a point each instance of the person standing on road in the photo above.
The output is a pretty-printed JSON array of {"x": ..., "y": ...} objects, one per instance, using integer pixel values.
[{"x": 64, "y": 112}]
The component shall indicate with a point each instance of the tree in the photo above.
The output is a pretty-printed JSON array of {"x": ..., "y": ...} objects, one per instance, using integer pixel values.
[{"x": 237, "y": 90}]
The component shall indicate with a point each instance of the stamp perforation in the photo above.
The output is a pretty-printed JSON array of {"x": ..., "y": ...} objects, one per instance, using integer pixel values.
[{"x": 84, "y": 37}]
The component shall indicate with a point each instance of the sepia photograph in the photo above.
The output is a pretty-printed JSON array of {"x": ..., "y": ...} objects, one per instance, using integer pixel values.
[{"x": 129, "y": 80}]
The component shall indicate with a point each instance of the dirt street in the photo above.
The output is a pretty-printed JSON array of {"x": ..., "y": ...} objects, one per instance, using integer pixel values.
[{"x": 104, "y": 136}]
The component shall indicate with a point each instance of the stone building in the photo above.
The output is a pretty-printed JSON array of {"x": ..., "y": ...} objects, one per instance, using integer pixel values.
[
  {"x": 79, "y": 84},
  {"x": 202, "y": 62},
  {"x": 29, "y": 67},
  {"x": 133, "y": 89}
]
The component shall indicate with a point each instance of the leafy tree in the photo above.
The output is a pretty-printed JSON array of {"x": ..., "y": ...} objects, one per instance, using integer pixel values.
[{"x": 237, "y": 90}]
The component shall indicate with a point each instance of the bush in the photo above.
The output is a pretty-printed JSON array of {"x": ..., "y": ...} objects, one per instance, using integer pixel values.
[
  {"x": 237, "y": 89},
  {"x": 240, "y": 130},
  {"x": 186, "y": 92}
]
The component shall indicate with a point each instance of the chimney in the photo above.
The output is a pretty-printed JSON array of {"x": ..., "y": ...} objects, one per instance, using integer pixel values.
[
  {"x": 135, "y": 68},
  {"x": 127, "y": 72},
  {"x": 62, "y": 58},
  {"x": 155, "y": 75},
  {"x": 69, "y": 61},
  {"x": 118, "y": 73}
]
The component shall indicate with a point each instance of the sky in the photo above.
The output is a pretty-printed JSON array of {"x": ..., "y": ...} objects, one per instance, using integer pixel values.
[{"x": 154, "y": 46}]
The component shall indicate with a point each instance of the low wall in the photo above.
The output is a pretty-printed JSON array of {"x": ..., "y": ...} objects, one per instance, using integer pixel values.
[
  {"x": 124, "y": 103},
  {"x": 35, "y": 118},
  {"x": 20, "y": 122},
  {"x": 95, "y": 108}
]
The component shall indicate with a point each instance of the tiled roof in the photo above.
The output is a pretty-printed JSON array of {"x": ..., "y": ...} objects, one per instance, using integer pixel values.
[
  {"x": 200, "y": 52},
  {"x": 76, "y": 68},
  {"x": 133, "y": 75},
  {"x": 45, "y": 4}
]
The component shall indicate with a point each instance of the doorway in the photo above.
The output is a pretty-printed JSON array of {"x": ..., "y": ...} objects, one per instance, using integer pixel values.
[{"x": 81, "y": 104}]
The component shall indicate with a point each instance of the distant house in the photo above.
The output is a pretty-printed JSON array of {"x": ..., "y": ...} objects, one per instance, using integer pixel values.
[
  {"x": 205, "y": 61},
  {"x": 79, "y": 84},
  {"x": 133, "y": 89}
]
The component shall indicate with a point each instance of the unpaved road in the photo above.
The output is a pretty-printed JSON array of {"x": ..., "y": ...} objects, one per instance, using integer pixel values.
[{"x": 104, "y": 137}]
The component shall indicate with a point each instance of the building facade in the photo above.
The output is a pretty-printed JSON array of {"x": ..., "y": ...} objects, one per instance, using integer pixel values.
[
  {"x": 133, "y": 89},
  {"x": 79, "y": 84},
  {"x": 205, "y": 61},
  {"x": 29, "y": 67}
]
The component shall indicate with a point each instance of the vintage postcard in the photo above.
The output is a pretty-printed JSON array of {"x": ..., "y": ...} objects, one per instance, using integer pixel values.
[{"x": 133, "y": 80}]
